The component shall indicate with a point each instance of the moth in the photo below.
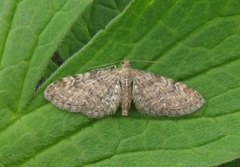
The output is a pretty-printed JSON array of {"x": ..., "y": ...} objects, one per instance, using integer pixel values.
[{"x": 99, "y": 93}]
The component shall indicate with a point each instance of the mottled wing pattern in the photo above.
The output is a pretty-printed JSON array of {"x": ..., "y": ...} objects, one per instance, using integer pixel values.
[
  {"x": 157, "y": 95},
  {"x": 96, "y": 93}
]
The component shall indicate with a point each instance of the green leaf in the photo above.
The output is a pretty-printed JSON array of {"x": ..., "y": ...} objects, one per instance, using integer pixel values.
[
  {"x": 195, "y": 41},
  {"x": 90, "y": 22}
]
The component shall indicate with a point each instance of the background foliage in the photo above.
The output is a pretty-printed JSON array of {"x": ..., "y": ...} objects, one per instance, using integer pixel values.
[{"x": 196, "y": 41}]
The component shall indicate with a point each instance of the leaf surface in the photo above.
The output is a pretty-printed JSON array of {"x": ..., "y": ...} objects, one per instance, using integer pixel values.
[{"x": 196, "y": 43}]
